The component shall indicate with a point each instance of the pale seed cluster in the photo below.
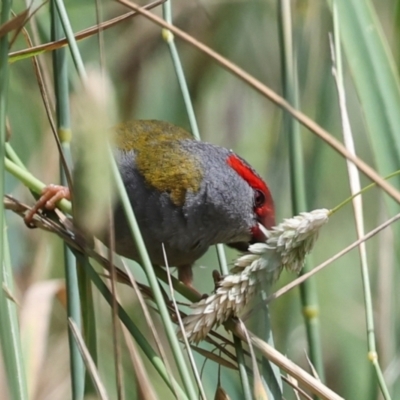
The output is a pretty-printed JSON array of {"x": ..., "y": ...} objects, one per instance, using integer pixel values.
[{"x": 286, "y": 247}]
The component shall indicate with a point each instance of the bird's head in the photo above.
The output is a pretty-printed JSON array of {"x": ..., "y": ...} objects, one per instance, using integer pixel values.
[{"x": 263, "y": 206}]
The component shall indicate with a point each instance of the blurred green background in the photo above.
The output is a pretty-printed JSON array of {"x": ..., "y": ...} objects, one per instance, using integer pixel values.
[{"x": 231, "y": 114}]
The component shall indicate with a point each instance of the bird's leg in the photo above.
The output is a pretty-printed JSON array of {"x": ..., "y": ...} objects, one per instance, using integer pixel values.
[
  {"x": 185, "y": 275},
  {"x": 50, "y": 196}
]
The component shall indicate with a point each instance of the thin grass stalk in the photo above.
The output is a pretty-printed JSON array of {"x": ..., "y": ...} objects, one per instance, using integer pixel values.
[
  {"x": 43, "y": 66},
  {"x": 196, "y": 374},
  {"x": 114, "y": 310},
  {"x": 4, "y": 71},
  {"x": 169, "y": 38},
  {"x": 47, "y": 102},
  {"x": 271, "y": 374},
  {"x": 60, "y": 71},
  {"x": 150, "y": 323},
  {"x": 90, "y": 365},
  {"x": 223, "y": 263},
  {"x": 149, "y": 270},
  {"x": 135, "y": 332},
  {"x": 88, "y": 317},
  {"x": 244, "y": 377},
  {"x": 385, "y": 303},
  {"x": 145, "y": 389},
  {"x": 308, "y": 292},
  {"x": 355, "y": 187},
  {"x": 9, "y": 329},
  {"x": 260, "y": 391},
  {"x": 69, "y": 33},
  {"x": 13, "y": 156}
]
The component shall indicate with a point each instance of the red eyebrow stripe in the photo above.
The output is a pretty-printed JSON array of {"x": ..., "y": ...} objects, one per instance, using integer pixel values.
[{"x": 247, "y": 173}]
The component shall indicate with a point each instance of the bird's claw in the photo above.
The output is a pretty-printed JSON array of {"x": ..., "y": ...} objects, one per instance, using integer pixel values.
[{"x": 48, "y": 200}]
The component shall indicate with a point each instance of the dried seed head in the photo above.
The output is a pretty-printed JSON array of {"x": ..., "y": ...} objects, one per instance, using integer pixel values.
[
  {"x": 286, "y": 246},
  {"x": 294, "y": 238}
]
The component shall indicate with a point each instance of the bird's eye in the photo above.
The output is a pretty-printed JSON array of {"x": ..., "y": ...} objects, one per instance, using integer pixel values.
[{"x": 259, "y": 198}]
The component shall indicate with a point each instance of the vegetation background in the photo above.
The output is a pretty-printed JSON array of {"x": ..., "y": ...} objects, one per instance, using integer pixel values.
[{"x": 232, "y": 114}]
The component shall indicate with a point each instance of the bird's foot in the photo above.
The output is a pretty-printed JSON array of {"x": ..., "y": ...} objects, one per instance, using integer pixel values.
[
  {"x": 217, "y": 278},
  {"x": 48, "y": 200}
]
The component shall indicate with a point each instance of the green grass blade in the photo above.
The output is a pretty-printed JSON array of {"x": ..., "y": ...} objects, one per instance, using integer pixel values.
[
  {"x": 60, "y": 71},
  {"x": 9, "y": 331}
]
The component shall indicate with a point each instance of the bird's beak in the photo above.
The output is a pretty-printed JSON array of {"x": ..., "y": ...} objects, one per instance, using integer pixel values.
[
  {"x": 240, "y": 246},
  {"x": 258, "y": 234}
]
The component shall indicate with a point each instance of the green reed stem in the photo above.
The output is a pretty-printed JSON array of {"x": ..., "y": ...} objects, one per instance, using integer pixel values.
[
  {"x": 69, "y": 33},
  {"x": 9, "y": 330},
  {"x": 9, "y": 327},
  {"x": 4, "y": 72},
  {"x": 12, "y": 155},
  {"x": 308, "y": 292},
  {"x": 60, "y": 71},
  {"x": 244, "y": 377}
]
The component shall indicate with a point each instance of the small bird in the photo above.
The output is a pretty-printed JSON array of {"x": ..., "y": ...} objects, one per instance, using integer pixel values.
[{"x": 186, "y": 194}]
